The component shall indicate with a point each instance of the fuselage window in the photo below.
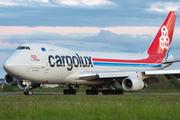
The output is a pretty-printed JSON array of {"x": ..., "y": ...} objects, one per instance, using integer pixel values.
[{"x": 23, "y": 48}]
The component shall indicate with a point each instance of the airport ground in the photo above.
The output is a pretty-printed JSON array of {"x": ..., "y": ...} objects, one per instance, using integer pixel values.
[
  {"x": 158, "y": 101},
  {"x": 80, "y": 107}
]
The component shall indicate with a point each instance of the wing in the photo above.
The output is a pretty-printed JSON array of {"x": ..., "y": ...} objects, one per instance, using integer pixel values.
[
  {"x": 88, "y": 75},
  {"x": 142, "y": 74}
]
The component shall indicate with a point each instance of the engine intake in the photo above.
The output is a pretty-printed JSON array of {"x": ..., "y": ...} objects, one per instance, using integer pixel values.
[
  {"x": 10, "y": 80},
  {"x": 133, "y": 84},
  {"x": 20, "y": 84}
]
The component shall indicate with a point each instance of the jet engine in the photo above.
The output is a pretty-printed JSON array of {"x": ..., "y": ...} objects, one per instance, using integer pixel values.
[
  {"x": 20, "y": 84},
  {"x": 12, "y": 81},
  {"x": 133, "y": 84}
]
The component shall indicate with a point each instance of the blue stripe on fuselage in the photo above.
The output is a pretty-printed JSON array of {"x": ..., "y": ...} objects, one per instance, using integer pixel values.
[{"x": 125, "y": 64}]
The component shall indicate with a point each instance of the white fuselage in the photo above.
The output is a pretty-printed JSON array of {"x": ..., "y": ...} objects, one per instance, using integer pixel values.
[{"x": 44, "y": 63}]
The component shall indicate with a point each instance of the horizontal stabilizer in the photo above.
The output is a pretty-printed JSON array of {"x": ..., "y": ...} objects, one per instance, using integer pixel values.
[
  {"x": 170, "y": 61},
  {"x": 158, "y": 72}
]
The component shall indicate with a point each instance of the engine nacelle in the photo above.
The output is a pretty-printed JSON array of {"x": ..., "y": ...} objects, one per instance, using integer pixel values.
[
  {"x": 10, "y": 80},
  {"x": 133, "y": 84},
  {"x": 20, "y": 84}
]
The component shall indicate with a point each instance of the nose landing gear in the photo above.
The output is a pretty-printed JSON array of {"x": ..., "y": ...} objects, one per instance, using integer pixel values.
[
  {"x": 27, "y": 89},
  {"x": 28, "y": 92}
]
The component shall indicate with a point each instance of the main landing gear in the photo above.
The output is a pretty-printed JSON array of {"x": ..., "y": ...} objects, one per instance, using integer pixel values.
[
  {"x": 93, "y": 91},
  {"x": 112, "y": 92},
  {"x": 70, "y": 91}
]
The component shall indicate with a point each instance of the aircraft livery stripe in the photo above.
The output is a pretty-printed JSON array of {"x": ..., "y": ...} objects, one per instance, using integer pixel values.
[
  {"x": 152, "y": 59},
  {"x": 125, "y": 64}
]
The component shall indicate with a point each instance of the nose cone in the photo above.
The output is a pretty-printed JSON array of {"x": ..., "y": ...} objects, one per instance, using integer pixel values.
[{"x": 8, "y": 66}]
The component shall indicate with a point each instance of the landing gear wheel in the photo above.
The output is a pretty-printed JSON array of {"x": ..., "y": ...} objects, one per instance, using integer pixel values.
[
  {"x": 88, "y": 92},
  {"x": 69, "y": 92},
  {"x": 66, "y": 92},
  {"x": 74, "y": 92},
  {"x": 113, "y": 92},
  {"x": 30, "y": 92},
  {"x": 95, "y": 92},
  {"x": 118, "y": 92},
  {"x": 91, "y": 92}
]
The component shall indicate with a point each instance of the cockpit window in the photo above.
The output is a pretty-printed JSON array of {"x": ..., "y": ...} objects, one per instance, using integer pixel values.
[{"x": 23, "y": 48}]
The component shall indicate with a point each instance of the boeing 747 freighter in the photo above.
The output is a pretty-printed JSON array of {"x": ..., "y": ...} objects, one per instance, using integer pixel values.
[{"x": 33, "y": 64}]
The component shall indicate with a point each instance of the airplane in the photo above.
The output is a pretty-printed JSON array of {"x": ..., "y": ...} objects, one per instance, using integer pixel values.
[{"x": 33, "y": 64}]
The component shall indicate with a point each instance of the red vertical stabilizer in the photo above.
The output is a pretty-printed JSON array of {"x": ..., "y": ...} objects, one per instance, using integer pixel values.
[{"x": 163, "y": 39}]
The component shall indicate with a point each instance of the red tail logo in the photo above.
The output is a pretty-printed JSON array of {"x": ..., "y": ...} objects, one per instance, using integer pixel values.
[{"x": 164, "y": 39}]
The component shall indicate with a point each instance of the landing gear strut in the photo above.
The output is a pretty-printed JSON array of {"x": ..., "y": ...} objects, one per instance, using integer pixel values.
[{"x": 70, "y": 91}]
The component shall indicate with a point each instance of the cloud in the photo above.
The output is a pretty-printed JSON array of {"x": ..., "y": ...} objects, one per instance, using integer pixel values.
[
  {"x": 8, "y": 45},
  {"x": 21, "y": 2},
  {"x": 55, "y": 2},
  {"x": 103, "y": 41},
  {"x": 11, "y": 30},
  {"x": 84, "y": 2},
  {"x": 164, "y": 6}
]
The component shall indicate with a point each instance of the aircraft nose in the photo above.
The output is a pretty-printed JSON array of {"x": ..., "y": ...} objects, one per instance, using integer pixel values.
[{"x": 8, "y": 66}]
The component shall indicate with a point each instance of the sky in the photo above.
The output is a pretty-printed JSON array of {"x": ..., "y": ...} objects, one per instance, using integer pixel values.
[{"x": 98, "y": 25}]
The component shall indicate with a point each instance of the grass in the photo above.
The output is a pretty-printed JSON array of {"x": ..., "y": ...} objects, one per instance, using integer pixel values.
[{"x": 80, "y": 107}]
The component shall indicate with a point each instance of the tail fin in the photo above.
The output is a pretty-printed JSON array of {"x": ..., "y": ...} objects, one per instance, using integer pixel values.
[{"x": 163, "y": 39}]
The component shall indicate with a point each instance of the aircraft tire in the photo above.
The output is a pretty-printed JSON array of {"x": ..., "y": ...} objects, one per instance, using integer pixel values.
[
  {"x": 113, "y": 92},
  {"x": 88, "y": 92},
  {"x": 118, "y": 92},
  {"x": 30, "y": 92},
  {"x": 96, "y": 92},
  {"x": 105, "y": 92},
  {"x": 74, "y": 91},
  {"x": 65, "y": 92}
]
